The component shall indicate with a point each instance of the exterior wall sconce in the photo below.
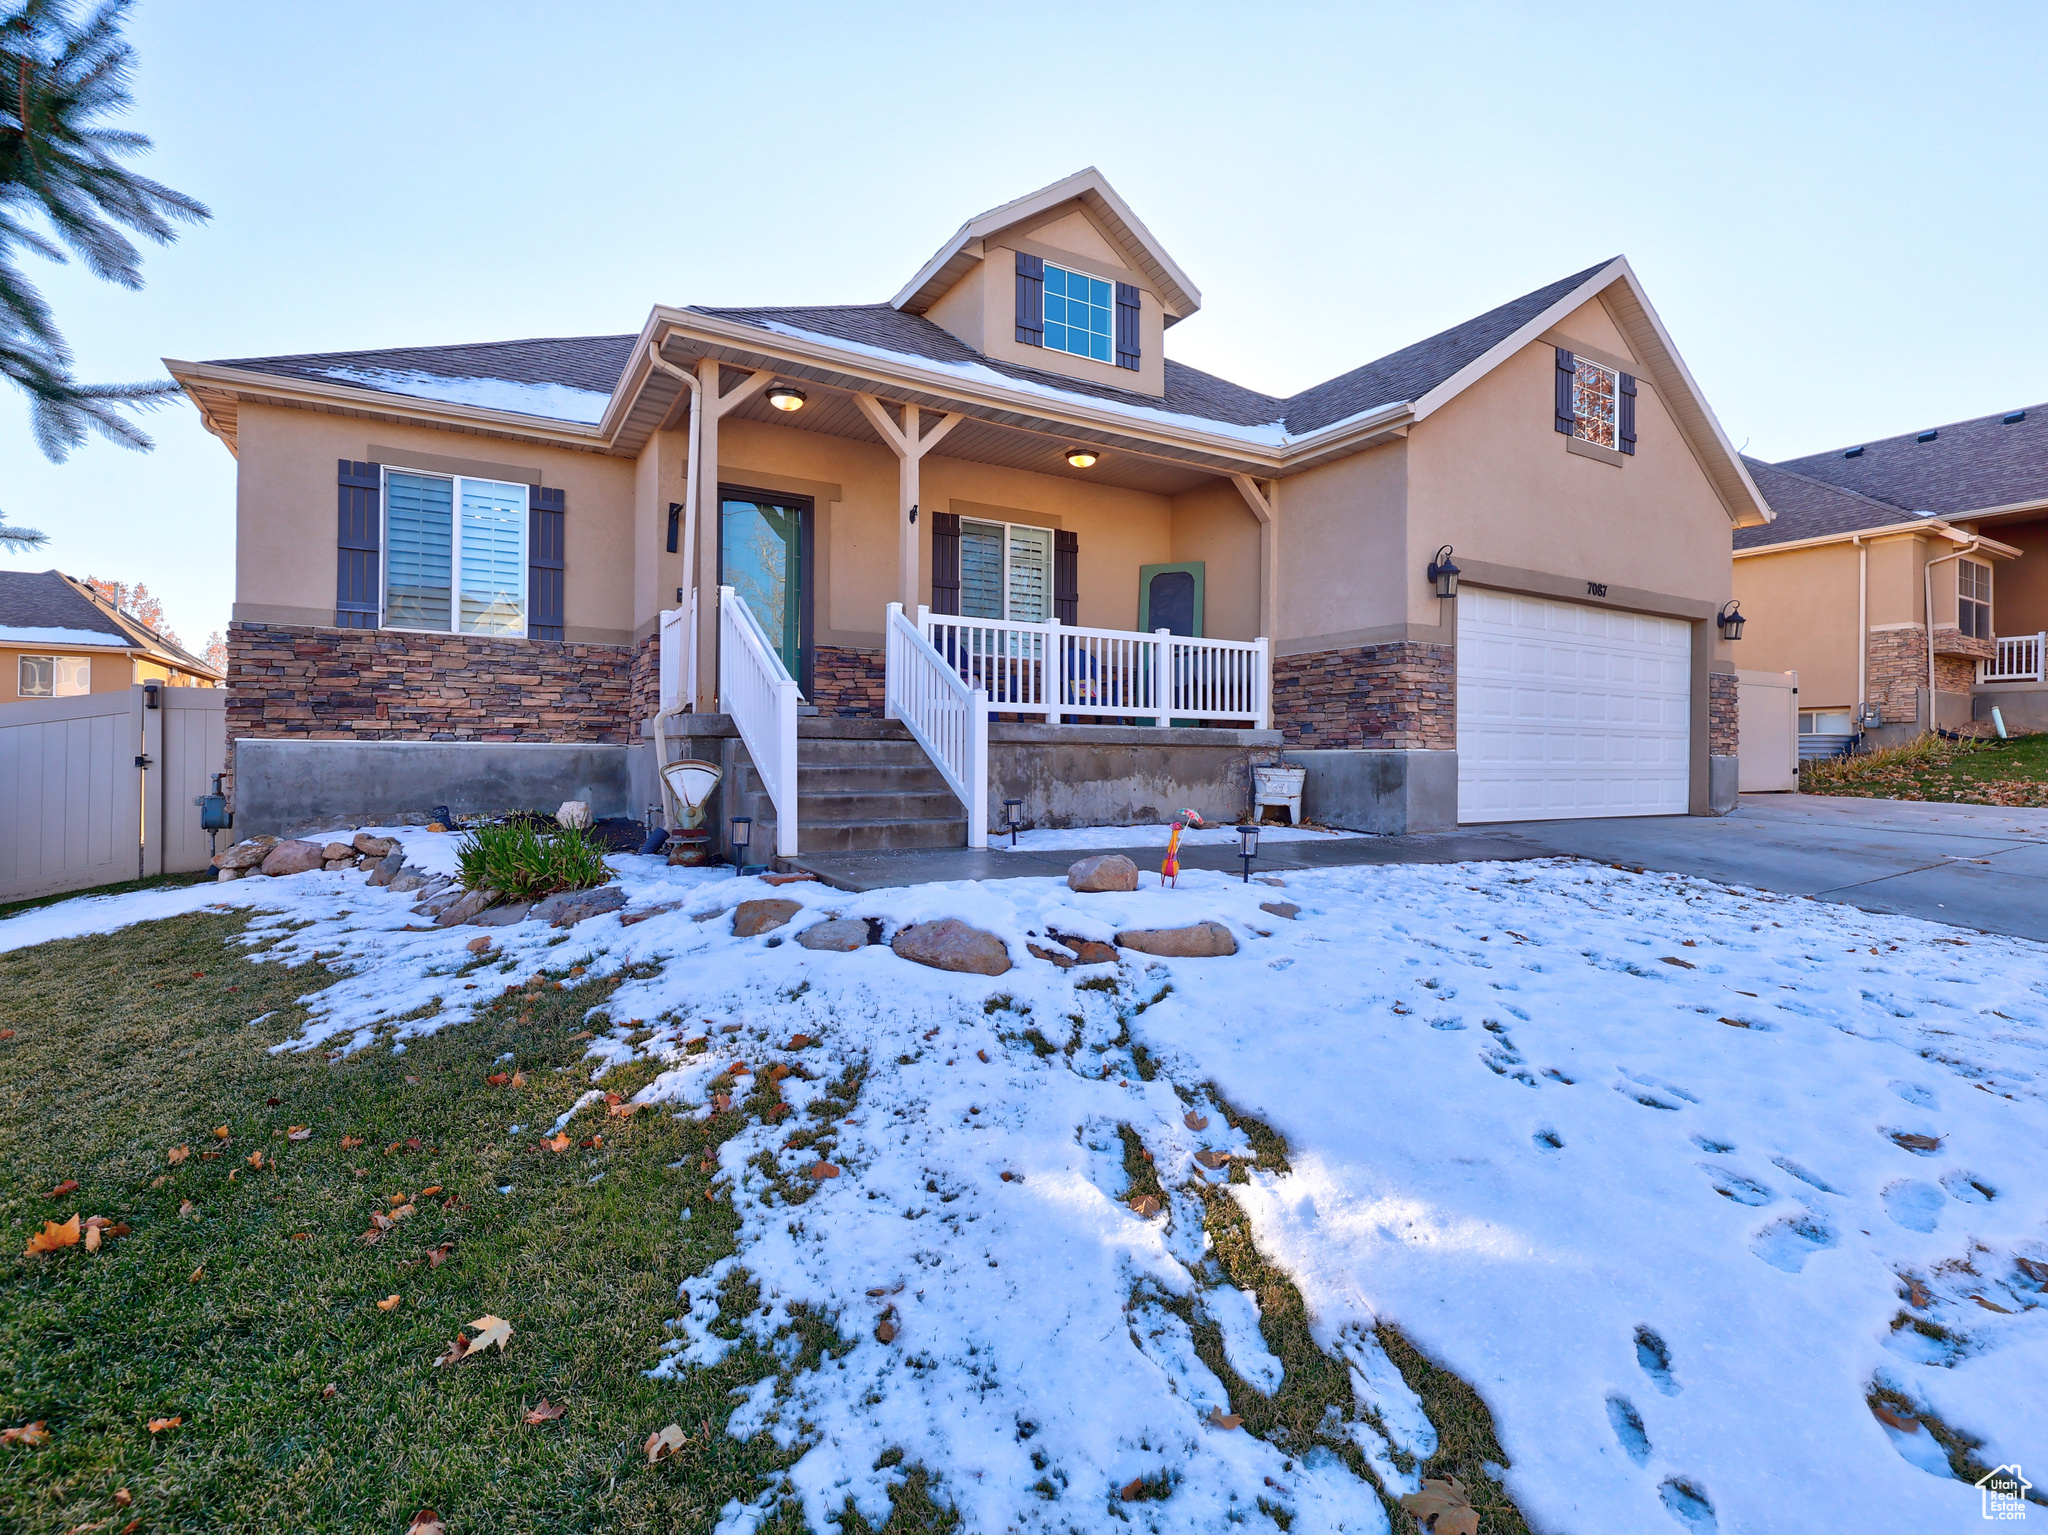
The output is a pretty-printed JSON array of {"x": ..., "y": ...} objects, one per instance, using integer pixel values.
[
  {"x": 783, "y": 397},
  {"x": 1083, "y": 458},
  {"x": 1731, "y": 620},
  {"x": 1443, "y": 575},
  {"x": 1013, "y": 818},
  {"x": 1248, "y": 846}
]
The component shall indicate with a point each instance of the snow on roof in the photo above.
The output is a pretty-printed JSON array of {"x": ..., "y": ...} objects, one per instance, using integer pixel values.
[
  {"x": 73, "y": 639},
  {"x": 555, "y": 402}
]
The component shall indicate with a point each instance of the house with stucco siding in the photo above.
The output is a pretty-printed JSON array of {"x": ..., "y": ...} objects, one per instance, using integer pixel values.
[{"x": 892, "y": 564}]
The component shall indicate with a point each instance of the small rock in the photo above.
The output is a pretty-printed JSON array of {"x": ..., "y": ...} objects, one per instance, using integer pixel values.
[
  {"x": 435, "y": 886},
  {"x": 842, "y": 935},
  {"x": 566, "y": 908},
  {"x": 333, "y": 850},
  {"x": 576, "y": 813},
  {"x": 1201, "y": 940},
  {"x": 374, "y": 847},
  {"x": 750, "y": 918},
  {"x": 245, "y": 855},
  {"x": 333, "y": 864},
  {"x": 1061, "y": 957},
  {"x": 1092, "y": 951},
  {"x": 634, "y": 918},
  {"x": 437, "y": 903},
  {"x": 292, "y": 858},
  {"x": 388, "y": 866},
  {"x": 1285, "y": 909},
  {"x": 224, "y": 875},
  {"x": 502, "y": 916},
  {"x": 1107, "y": 871},
  {"x": 409, "y": 879},
  {"x": 478, "y": 946},
  {"x": 460, "y": 911},
  {"x": 1271, "y": 879},
  {"x": 953, "y": 945},
  {"x": 786, "y": 879}
]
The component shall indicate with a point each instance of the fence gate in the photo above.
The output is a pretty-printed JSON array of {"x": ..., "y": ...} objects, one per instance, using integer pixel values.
[{"x": 101, "y": 789}]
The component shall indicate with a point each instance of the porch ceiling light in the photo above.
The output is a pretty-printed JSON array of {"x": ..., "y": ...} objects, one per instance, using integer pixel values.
[
  {"x": 1731, "y": 620},
  {"x": 783, "y": 397},
  {"x": 1083, "y": 458},
  {"x": 1443, "y": 574}
]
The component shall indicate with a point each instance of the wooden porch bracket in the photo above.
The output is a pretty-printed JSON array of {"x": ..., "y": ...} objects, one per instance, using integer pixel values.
[
  {"x": 1264, "y": 501},
  {"x": 712, "y": 407},
  {"x": 910, "y": 448}
]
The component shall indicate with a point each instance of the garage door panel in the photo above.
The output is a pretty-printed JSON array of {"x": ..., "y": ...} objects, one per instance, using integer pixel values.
[{"x": 1570, "y": 711}]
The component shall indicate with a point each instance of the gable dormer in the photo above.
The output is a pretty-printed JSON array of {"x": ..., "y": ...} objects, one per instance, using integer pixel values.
[{"x": 1066, "y": 280}]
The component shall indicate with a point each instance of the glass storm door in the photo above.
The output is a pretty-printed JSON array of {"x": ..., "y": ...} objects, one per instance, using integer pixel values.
[{"x": 761, "y": 554}]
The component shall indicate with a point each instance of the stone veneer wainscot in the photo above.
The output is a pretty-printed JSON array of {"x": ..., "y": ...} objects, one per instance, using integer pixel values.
[
  {"x": 1723, "y": 713},
  {"x": 1398, "y": 696}
]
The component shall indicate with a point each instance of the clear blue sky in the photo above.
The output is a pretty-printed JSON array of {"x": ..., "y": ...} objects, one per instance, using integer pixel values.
[{"x": 1837, "y": 210}]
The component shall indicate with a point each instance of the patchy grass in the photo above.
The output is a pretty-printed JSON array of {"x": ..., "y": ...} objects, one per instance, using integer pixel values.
[
  {"x": 238, "y": 1319},
  {"x": 1966, "y": 772}
]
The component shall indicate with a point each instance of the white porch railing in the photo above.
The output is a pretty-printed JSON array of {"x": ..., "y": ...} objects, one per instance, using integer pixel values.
[
  {"x": 2018, "y": 659},
  {"x": 755, "y": 688},
  {"x": 1058, "y": 669},
  {"x": 948, "y": 717}
]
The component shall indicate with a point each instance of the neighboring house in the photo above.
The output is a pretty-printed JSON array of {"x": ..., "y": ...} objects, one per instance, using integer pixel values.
[
  {"x": 1838, "y": 588},
  {"x": 60, "y": 639},
  {"x": 1006, "y": 444}
]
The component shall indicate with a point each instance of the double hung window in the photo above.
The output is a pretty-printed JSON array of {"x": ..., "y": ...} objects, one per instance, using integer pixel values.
[
  {"x": 1973, "y": 599},
  {"x": 1080, "y": 313},
  {"x": 1596, "y": 403},
  {"x": 54, "y": 676},
  {"x": 1005, "y": 570},
  {"x": 455, "y": 554}
]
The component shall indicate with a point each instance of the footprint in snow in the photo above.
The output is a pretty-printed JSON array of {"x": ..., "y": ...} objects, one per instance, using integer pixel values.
[
  {"x": 1788, "y": 1243},
  {"x": 1913, "y": 1204},
  {"x": 1814, "y": 1180},
  {"x": 1744, "y": 1191},
  {"x": 1969, "y": 1189},
  {"x": 1687, "y": 1503},
  {"x": 1628, "y": 1429},
  {"x": 1915, "y": 1094},
  {"x": 1655, "y": 1357}
]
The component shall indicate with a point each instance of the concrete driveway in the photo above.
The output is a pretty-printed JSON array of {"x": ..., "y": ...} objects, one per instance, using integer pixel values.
[{"x": 1974, "y": 866}]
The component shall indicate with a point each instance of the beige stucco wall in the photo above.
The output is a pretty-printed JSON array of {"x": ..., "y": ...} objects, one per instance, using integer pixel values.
[
  {"x": 2019, "y": 588},
  {"x": 981, "y": 309},
  {"x": 1342, "y": 544},
  {"x": 285, "y": 512},
  {"x": 1491, "y": 476},
  {"x": 111, "y": 670},
  {"x": 1212, "y": 524},
  {"x": 1801, "y": 606}
]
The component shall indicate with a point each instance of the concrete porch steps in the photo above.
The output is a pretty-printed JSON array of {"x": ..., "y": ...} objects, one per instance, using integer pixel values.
[{"x": 862, "y": 786}]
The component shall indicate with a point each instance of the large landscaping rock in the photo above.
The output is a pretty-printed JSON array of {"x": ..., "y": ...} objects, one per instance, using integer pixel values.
[
  {"x": 334, "y": 850},
  {"x": 1203, "y": 940},
  {"x": 1106, "y": 871},
  {"x": 409, "y": 879},
  {"x": 1285, "y": 909},
  {"x": 502, "y": 916},
  {"x": 292, "y": 858},
  {"x": 750, "y": 918},
  {"x": 566, "y": 908},
  {"x": 472, "y": 902},
  {"x": 952, "y": 945},
  {"x": 245, "y": 855},
  {"x": 374, "y": 847},
  {"x": 388, "y": 866},
  {"x": 841, "y": 935}
]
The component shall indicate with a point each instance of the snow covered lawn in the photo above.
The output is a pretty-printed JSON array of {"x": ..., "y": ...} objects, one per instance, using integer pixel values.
[{"x": 1678, "y": 1179}]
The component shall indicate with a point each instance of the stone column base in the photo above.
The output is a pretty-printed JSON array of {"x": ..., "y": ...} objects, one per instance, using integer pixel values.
[{"x": 1384, "y": 792}]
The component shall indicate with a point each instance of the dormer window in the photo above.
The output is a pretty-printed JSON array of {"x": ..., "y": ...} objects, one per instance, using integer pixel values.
[{"x": 1080, "y": 313}]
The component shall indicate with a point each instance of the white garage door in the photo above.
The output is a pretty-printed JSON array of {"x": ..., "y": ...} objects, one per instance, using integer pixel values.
[{"x": 1566, "y": 710}]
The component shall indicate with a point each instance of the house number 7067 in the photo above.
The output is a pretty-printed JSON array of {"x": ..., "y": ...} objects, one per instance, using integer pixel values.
[{"x": 1596, "y": 588}]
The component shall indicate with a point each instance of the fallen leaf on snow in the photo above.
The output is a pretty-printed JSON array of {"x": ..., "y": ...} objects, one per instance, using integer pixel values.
[
  {"x": 1442, "y": 1508},
  {"x": 53, "y": 1236},
  {"x": 664, "y": 1442},
  {"x": 823, "y": 1170},
  {"x": 388, "y": 1303},
  {"x": 1990, "y": 1305},
  {"x": 30, "y": 1434},
  {"x": 1195, "y": 1121},
  {"x": 1914, "y": 1142},
  {"x": 798, "y": 1042},
  {"x": 1132, "y": 1488},
  {"x": 1145, "y": 1204},
  {"x": 1213, "y": 1159},
  {"x": 721, "y": 1102},
  {"x": 1683, "y": 964},
  {"x": 158, "y": 1425},
  {"x": 546, "y": 1412},
  {"x": 1218, "y": 1418},
  {"x": 885, "y": 1331},
  {"x": 1917, "y": 1295}
]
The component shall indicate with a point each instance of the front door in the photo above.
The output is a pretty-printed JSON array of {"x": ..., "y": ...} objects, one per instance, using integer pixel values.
[{"x": 764, "y": 554}]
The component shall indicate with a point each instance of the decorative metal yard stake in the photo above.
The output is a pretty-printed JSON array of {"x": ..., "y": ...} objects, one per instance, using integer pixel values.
[
  {"x": 1013, "y": 817},
  {"x": 1248, "y": 847}
]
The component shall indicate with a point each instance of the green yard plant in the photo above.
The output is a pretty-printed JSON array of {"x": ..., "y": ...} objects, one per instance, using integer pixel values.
[
  {"x": 524, "y": 862},
  {"x": 1972, "y": 771}
]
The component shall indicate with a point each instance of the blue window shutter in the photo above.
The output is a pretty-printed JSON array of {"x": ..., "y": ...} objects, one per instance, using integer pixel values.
[
  {"x": 1127, "y": 312},
  {"x": 1567, "y": 410},
  {"x": 1066, "y": 576},
  {"x": 1628, "y": 413},
  {"x": 1030, "y": 299},
  {"x": 544, "y": 562},
  {"x": 357, "y": 568},
  {"x": 945, "y": 562}
]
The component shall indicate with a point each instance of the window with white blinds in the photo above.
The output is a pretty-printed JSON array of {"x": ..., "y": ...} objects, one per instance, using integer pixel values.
[
  {"x": 1005, "y": 571},
  {"x": 445, "y": 571}
]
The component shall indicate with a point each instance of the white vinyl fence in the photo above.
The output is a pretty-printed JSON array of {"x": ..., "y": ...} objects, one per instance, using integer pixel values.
[
  {"x": 2018, "y": 659},
  {"x": 1059, "y": 670},
  {"x": 101, "y": 789}
]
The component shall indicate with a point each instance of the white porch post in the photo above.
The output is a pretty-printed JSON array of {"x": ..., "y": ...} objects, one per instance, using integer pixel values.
[
  {"x": 910, "y": 444},
  {"x": 1053, "y": 676},
  {"x": 1162, "y": 683},
  {"x": 712, "y": 407}
]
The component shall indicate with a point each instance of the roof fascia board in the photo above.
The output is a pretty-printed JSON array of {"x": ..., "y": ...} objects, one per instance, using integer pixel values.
[
  {"x": 1924, "y": 525},
  {"x": 1179, "y": 296},
  {"x": 2010, "y": 510}
]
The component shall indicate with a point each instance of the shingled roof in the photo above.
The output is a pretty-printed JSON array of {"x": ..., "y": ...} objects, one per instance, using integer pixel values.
[
  {"x": 1965, "y": 466},
  {"x": 46, "y": 599},
  {"x": 1810, "y": 508},
  {"x": 564, "y": 376}
]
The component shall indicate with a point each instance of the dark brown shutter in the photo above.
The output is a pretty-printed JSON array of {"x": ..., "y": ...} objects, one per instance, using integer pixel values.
[
  {"x": 1066, "y": 576},
  {"x": 1030, "y": 299},
  {"x": 1127, "y": 311},
  {"x": 545, "y": 515},
  {"x": 1567, "y": 410},
  {"x": 1628, "y": 413},
  {"x": 946, "y": 562},
  {"x": 357, "y": 570}
]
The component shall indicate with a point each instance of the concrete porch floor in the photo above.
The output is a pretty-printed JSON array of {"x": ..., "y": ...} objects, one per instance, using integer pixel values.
[{"x": 1970, "y": 866}]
